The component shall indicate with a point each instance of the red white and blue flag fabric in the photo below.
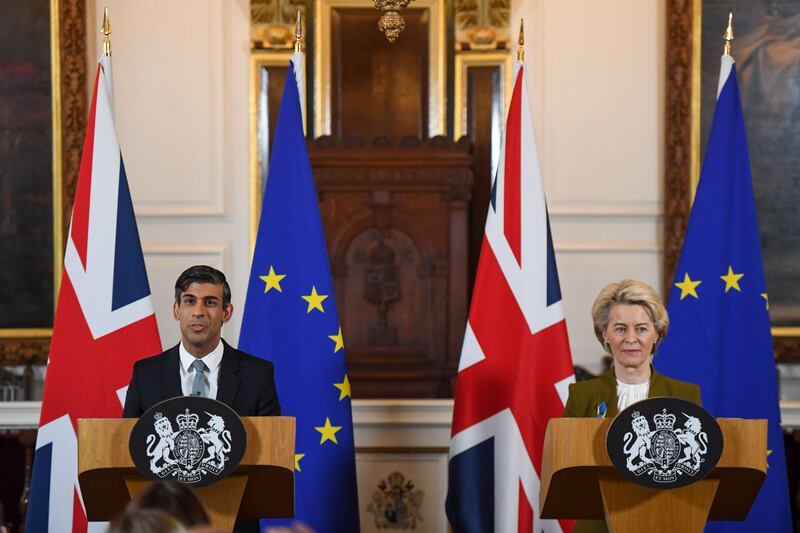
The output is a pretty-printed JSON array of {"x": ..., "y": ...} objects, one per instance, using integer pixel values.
[
  {"x": 515, "y": 365},
  {"x": 104, "y": 320}
]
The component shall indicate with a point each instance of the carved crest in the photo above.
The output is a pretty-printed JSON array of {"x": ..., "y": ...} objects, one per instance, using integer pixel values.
[{"x": 189, "y": 453}]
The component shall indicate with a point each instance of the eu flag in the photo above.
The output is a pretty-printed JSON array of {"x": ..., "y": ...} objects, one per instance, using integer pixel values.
[
  {"x": 719, "y": 334},
  {"x": 290, "y": 318}
]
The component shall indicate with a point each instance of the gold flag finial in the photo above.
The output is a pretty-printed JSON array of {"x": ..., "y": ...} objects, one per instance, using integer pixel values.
[
  {"x": 106, "y": 30},
  {"x": 728, "y": 35},
  {"x": 521, "y": 42},
  {"x": 298, "y": 34}
]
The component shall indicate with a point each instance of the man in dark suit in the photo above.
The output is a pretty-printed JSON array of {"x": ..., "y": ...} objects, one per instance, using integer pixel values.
[{"x": 202, "y": 363}]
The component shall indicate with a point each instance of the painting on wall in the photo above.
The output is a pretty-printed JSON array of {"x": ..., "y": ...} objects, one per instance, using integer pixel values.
[
  {"x": 26, "y": 166},
  {"x": 766, "y": 48},
  {"x": 42, "y": 121},
  {"x": 767, "y": 53}
]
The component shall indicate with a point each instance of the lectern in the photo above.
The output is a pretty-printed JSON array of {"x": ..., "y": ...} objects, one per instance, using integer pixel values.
[
  {"x": 579, "y": 480},
  {"x": 261, "y": 486}
]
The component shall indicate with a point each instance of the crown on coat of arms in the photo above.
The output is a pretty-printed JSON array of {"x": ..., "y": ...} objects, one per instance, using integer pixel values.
[
  {"x": 664, "y": 420},
  {"x": 190, "y": 420},
  {"x": 636, "y": 415}
]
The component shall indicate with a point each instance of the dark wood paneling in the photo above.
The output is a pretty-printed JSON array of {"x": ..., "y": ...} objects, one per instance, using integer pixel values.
[
  {"x": 483, "y": 96},
  {"x": 16, "y": 459},
  {"x": 378, "y": 88},
  {"x": 396, "y": 224}
]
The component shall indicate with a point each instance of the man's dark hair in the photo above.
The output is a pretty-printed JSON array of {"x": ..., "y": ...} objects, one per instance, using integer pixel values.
[{"x": 202, "y": 274}]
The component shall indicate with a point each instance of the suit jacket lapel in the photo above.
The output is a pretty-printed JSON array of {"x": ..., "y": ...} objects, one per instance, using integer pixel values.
[
  {"x": 658, "y": 385},
  {"x": 171, "y": 375},
  {"x": 610, "y": 379},
  {"x": 228, "y": 381}
]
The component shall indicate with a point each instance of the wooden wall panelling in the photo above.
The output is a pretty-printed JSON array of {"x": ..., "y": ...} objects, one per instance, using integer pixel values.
[
  {"x": 484, "y": 99},
  {"x": 378, "y": 88},
  {"x": 482, "y": 81},
  {"x": 396, "y": 223},
  {"x": 364, "y": 54}
]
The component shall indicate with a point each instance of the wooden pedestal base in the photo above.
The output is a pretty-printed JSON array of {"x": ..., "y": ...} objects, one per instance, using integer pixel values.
[{"x": 632, "y": 507}]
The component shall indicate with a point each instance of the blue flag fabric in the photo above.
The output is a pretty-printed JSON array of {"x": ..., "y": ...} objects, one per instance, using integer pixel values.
[
  {"x": 719, "y": 332},
  {"x": 290, "y": 319}
]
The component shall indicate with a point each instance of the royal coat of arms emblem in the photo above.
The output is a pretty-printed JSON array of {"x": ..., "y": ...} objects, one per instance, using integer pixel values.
[
  {"x": 201, "y": 449},
  {"x": 396, "y": 503},
  {"x": 661, "y": 454},
  {"x": 189, "y": 452},
  {"x": 665, "y": 452}
]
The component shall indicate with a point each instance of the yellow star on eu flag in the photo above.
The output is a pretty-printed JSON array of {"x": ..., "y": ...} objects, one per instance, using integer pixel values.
[
  {"x": 766, "y": 299},
  {"x": 314, "y": 300},
  {"x": 731, "y": 280},
  {"x": 344, "y": 387},
  {"x": 328, "y": 431},
  {"x": 297, "y": 458},
  {"x": 272, "y": 280},
  {"x": 688, "y": 286},
  {"x": 338, "y": 339}
]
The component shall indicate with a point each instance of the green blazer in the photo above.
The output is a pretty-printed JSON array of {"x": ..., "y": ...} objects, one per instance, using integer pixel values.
[{"x": 585, "y": 398}]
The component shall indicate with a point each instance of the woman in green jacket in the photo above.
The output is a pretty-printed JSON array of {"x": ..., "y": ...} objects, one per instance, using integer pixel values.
[{"x": 629, "y": 321}]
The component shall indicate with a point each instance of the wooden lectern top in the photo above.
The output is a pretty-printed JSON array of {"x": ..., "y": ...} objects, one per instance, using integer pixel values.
[
  {"x": 106, "y": 471},
  {"x": 575, "y": 460}
]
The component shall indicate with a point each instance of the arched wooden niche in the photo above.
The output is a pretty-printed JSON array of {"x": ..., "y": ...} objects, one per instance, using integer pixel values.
[{"x": 395, "y": 221}]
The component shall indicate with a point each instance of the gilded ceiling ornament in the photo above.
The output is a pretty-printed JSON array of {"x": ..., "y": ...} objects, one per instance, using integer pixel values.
[
  {"x": 482, "y": 24},
  {"x": 272, "y": 22},
  {"x": 391, "y": 23}
]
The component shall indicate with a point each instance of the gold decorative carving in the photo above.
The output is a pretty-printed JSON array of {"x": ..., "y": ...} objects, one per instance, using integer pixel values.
[
  {"x": 787, "y": 349},
  {"x": 272, "y": 23},
  {"x": 22, "y": 351},
  {"x": 72, "y": 41},
  {"x": 482, "y": 24},
  {"x": 391, "y": 24},
  {"x": 678, "y": 156}
]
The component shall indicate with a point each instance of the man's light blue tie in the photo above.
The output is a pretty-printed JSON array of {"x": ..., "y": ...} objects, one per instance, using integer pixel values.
[{"x": 199, "y": 383}]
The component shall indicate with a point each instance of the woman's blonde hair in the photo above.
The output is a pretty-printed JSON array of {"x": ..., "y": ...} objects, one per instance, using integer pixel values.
[{"x": 631, "y": 292}]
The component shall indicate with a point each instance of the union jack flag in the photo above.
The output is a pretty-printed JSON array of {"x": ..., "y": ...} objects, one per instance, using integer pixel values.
[
  {"x": 104, "y": 320},
  {"x": 515, "y": 365}
]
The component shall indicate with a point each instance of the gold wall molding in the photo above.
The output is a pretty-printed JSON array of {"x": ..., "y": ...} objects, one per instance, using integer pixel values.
[
  {"x": 272, "y": 22},
  {"x": 466, "y": 60},
  {"x": 259, "y": 129},
  {"x": 482, "y": 24}
]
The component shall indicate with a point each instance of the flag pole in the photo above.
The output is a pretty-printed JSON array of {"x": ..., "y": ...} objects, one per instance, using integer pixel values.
[
  {"x": 299, "y": 68},
  {"x": 298, "y": 35},
  {"x": 521, "y": 42},
  {"x": 105, "y": 57},
  {"x": 106, "y": 30},
  {"x": 728, "y": 36}
]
